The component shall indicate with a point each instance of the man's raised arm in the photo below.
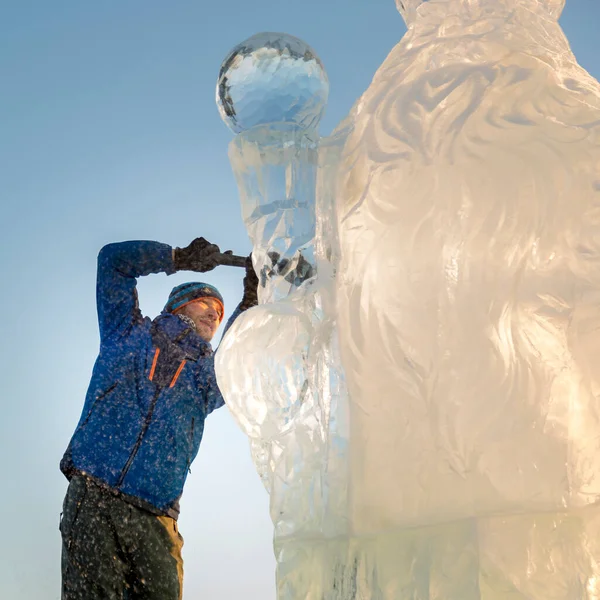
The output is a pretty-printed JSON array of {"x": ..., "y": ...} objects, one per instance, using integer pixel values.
[{"x": 119, "y": 265}]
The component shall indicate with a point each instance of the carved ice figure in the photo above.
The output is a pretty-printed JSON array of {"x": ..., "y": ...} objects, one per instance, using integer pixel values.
[
  {"x": 464, "y": 291},
  {"x": 469, "y": 217}
]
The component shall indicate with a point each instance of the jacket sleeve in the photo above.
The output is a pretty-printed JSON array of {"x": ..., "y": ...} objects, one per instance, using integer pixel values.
[
  {"x": 116, "y": 294},
  {"x": 214, "y": 398},
  {"x": 236, "y": 313}
]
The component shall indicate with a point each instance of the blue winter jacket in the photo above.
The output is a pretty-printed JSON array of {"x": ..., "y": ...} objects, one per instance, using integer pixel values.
[{"x": 151, "y": 389}]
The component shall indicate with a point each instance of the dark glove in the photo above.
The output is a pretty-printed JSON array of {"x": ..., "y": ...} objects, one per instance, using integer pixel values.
[
  {"x": 250, "y": 286},
  {"x": 199, "y": 256}
]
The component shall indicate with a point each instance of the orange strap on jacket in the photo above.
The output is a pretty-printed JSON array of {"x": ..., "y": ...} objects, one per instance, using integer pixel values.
[
  {"x": 177, "y": 374},
  {"x": 154, "y": 364}
]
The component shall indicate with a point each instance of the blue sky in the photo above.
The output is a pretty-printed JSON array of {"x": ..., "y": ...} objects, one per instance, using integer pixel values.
[{"x": 110, "y": 132}]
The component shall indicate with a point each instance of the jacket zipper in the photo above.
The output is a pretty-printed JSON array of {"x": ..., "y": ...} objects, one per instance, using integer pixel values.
[
  {"x": 148, "y": 418},
  {"x": 141, "y": 435}
]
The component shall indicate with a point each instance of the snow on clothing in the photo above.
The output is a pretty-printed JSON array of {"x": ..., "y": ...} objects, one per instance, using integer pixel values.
[
  {"x": 151, "y": 389},
  {"x": 114, "y": 550}
]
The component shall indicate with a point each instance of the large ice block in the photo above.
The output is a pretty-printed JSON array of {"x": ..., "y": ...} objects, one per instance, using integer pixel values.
[{"x": 423, "y": 402}]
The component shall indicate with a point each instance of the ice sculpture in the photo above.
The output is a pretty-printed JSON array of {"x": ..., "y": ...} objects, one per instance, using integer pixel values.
[{"x": 457, "y": 267}]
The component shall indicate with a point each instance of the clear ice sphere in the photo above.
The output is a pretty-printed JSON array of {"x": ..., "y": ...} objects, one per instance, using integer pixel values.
[{"x": 272, "y": 78}]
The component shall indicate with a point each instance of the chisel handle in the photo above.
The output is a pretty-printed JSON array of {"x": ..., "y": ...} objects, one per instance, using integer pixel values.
[{"x": 231, "y": 260}]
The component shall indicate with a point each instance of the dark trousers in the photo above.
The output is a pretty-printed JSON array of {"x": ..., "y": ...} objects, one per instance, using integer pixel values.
[{"x": 115, "y": 551}]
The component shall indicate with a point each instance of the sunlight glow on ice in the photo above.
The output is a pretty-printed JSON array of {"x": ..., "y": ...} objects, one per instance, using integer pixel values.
[{"x": 420, "y": 382}]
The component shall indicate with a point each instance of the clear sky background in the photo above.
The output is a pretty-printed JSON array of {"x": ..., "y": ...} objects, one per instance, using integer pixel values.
[{"x": 109, "y": 132}]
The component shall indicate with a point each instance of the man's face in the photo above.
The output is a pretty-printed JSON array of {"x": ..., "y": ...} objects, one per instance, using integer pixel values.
[{"x": 206, "y": 314}]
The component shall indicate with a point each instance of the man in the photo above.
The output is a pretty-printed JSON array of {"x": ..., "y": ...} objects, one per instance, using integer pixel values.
[{"x": 151, "y": 389}]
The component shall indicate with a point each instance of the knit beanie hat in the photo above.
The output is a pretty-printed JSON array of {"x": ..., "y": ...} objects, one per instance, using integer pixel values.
[{"x": 188, "y": 292}]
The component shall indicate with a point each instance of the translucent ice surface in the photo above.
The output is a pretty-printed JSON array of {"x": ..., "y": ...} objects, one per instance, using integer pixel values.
[
  {"x": 272, "y": 78},
  {"x": 424, "y": 408}
]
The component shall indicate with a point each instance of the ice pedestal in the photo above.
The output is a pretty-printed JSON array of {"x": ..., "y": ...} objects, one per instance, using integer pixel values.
[
  {"x": 515, "y": 557},
  {"x": 456, "y": 279}
]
